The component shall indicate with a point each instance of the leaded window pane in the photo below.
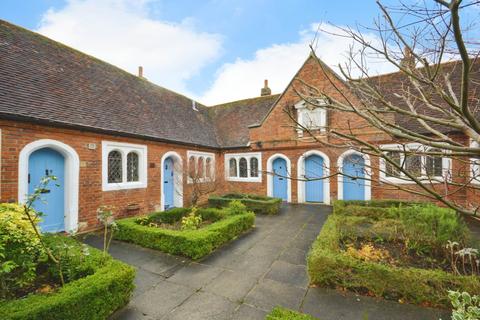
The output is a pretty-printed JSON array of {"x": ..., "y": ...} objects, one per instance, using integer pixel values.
[
  {"x": 253, "y": 167},
  {"x": 233, "y": 167},
  {"x": 191, "y": 167},
  {"x": 114, "y": 167},
  {"x": 200, "y": 167},
  {"x": 413, "y": 165},
  {"x": 390, "y": 170},
  {"x": 434, "y": 165},
  {"x": 132, "y": 167},
  {"x": 208, "y": 168},
  {"x": 243, "y": 168}
]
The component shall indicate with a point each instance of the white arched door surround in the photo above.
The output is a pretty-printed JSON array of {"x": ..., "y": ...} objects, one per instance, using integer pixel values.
[
  {"x": 178, "y": 179},
  {"x": 301, "y": 175},
  {"x": 368, "y": 173},
  {"x": 72, "y": 172},
  {"x": 270, "y": 175}
]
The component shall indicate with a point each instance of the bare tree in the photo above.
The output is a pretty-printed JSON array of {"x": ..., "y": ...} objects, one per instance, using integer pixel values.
[{"x": 429, "y": 109}]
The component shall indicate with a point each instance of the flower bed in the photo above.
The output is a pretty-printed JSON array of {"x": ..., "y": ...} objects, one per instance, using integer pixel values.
[
  {"x": 257, "y": 204},
  {"x": 280, "y": 313},
  {"x": 95, "y": 287},
  {"x": 394, "y": 252},
  {"x": 222, "y": 226}
]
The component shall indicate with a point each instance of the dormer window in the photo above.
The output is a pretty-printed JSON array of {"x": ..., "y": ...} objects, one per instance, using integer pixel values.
[{"x": 311, "y": 117}]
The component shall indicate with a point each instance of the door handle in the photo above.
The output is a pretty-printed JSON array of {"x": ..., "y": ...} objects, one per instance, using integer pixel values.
[{"x": 165, "y": 181}]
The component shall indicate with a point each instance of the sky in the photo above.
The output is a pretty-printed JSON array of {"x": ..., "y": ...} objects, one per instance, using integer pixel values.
[{"x": 213, "y": 51}]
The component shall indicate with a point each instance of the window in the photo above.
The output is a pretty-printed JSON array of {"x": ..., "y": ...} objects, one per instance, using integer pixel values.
[
  {"x": 430, "y": 168},
  {"x": 114, "y": 167},
  {"x": 201, "y": 166},
  {"x": 253, "y": 167},
  {"x": 475, "y": 164},
  {"x": 243, "y": 167},
  {"x": 124, "y": 166},
  {"x": 132, "y": 167},
  {"x": 311, "y": 117}
]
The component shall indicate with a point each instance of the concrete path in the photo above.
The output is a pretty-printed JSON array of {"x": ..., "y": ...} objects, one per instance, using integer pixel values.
[{"x": 248, "y": 277}]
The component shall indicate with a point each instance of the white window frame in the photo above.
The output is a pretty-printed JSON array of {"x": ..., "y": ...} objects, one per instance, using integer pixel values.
[
  {"x": 303, "y": 110},
  {"x": 124, "y": 149},
  {"x": 201, "y": 154},
  {"x": 474, "y": 165},
  {"x": 403, "y": 179},
  {"x": 247, "y": 156}
]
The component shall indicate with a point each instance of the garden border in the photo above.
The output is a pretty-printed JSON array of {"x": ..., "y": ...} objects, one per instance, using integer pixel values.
[{"x": 261, "y": 205}]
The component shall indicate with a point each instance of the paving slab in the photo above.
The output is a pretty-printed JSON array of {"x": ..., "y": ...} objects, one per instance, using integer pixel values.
[
  {"x": 195, "y": 275},
  {"x": 294, "y": 256},
  {"x": 248, "y": 312},
  {"x": 270, "y": 293},
  {"x": 288, "y": 273},
  {"x": 233, "y": 285}
]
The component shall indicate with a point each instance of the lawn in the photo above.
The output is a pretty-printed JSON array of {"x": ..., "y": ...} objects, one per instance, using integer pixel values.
[
  {"x": 189, "y": 232},
  {"x": 408, "y": 252}
]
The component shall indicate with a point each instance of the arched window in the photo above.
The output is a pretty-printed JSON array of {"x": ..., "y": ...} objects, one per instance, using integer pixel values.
[
  {"x": 208, "y": 168},
  {"x": 114, "y": 167},
  {"x": 132, "y": 167},
  {"x": 243, "y": 168},
  {"x": 191, "y": 167},
  {"x": 233, "y": 167},
  {"x": 200, "y": 168},
  {"x": 253, "y": 167},
  {"x": 434, "y": 164}
]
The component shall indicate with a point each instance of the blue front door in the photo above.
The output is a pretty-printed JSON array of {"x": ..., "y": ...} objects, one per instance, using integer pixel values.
[
  {"x": 168, "y": 182},
  {"x": 353, "y": 182},
  {"x": 280, "y": 179},
  {"x": 314, "y": 170},
  {"x": 42, "y": 163}
]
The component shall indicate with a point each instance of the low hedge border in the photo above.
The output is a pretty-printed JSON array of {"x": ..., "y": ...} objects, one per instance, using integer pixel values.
[
  {"x": 280, "y": 313},
  {"x": 329, "y": 266},
  {"x": 190, "y": 243},
  {"x": 95, "y": 296},
  {"x": 257, "y": 204}
]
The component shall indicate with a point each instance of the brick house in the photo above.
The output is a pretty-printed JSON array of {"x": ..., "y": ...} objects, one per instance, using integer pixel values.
[{"x": 113, "y": 138}]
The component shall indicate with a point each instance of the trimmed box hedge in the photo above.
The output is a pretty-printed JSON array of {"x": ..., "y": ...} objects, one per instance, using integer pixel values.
[
  {"x": 106, "y": 288},
  {"x": 257, "y": 204},
  {"x": 329, "y": 266},
  {"x": 280, "y": 313},
  {"x": 190, "y": 243}
]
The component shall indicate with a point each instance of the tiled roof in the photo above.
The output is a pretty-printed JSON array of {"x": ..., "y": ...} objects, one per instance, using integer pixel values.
[
  {"x": 233, "y": 119},
  {"x": 43, "y": 80}
]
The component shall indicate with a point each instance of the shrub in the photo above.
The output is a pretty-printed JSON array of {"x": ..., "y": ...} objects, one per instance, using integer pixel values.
[
  {"x": 192, "y": 221},
  {"x": 236, "y": 207},
  {"x": 465, "y": 306},
  {"x": 191, "y": 243},
  {"x": 280, "y": 313},
  {"x": 97, "y": 287},
  {"x": 257, "y": 204},
  {"x": 20, "y": 250}
]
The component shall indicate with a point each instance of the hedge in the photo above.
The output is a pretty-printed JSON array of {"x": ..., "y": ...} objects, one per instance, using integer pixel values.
[
  {"x": 190, "y": 243},
  {"x": 329, "y": 266},
  {"x": 257, "y": 204},
  {"x": 91, "y": 297},
  {"x": 280, "y": 313}
]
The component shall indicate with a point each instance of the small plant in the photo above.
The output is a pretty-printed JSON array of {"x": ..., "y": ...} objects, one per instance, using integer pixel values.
[
  {"x": 236, "y": 207},
  {"x": 466, "y": 257},
  {"x": 192, "y": 221},
  {"x": 465, "y": 306},
  {"x": 368, "y": 253},
  {"x": 105, "y": 216}
]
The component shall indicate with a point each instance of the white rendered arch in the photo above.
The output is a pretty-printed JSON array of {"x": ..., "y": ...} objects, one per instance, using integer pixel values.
[
  {"x": 368, "y": 173},
  {"x": 301, "y": 175},
  {"x": 270, "y": 175},
  {"x": 178, "y": 179},
  {"x": 72, "y": 172}
]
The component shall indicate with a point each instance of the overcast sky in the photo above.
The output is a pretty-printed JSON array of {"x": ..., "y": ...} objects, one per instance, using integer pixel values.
[{"x": 214, "y": 51}]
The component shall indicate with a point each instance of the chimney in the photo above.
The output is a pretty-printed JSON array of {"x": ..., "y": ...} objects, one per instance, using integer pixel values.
[
  {"x": 265, "y": 90},
  {"x": 408, "y": 60},
  {"x": 140, "y": 72}
]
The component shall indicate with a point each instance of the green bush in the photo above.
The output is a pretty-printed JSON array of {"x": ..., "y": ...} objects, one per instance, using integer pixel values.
[
  {"x": 191, "y": 243},
  {"x": 97, "y": 287},
  {"x": 385, "y": 203},
  {"x": 257, "y": 204},
  {"x": 280, "y": 313},
  {"x": 20, "y": 250},
  {"x": 329, "y": 266}
]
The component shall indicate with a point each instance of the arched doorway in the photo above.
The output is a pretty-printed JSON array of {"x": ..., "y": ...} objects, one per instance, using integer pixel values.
[
  {"x": 172, "y": 181},
  {"x": 279, "y": 177},
  {"x": 313, "y": 182},
  {"x": 59, "y": 200},
  {"x": 354, "y": 181}
]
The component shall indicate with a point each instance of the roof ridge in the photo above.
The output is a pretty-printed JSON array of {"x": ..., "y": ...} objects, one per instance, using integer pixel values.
[{"x": 224, "y": 104}]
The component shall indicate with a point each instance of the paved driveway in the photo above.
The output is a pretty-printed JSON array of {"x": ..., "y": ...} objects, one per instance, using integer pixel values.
[{"x": 248, "y": 277}]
